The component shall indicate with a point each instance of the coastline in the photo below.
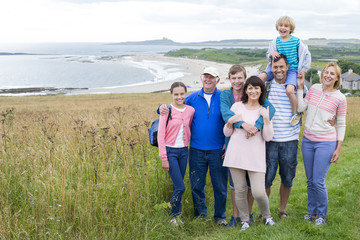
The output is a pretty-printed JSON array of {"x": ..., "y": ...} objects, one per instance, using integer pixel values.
[
  {"x": 191, "y": 70},
  {"x": 166, "y": 70}
]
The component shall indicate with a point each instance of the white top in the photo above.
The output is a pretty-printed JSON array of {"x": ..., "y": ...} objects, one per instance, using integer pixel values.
[{"x": 283, "y": 131}]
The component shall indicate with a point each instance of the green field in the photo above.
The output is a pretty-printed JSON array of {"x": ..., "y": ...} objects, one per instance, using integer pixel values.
[
  {"x": 80, "y": 167},
  {"x": 321, "y": 55}
]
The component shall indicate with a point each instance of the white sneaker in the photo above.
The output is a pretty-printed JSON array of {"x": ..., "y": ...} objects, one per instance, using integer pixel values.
[
  {"x": 245, "y": 225},
  {"x": 295, "y": 119},
  {"x": 269, "y": 221},
  {"x": 178, "y": 220},
  {"x": 173, "y": 222},
  {"x": 320, "y": 221}
]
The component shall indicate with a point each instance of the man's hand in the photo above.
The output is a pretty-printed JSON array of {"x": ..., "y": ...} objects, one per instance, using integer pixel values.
[{"x": 332, "y": 121}]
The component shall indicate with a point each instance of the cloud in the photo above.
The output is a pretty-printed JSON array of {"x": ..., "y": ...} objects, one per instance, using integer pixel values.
[{"x": 183, "y": 21}]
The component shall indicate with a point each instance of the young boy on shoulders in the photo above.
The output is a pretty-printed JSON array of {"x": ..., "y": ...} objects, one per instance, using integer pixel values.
[{"x": 298, "y": 56}]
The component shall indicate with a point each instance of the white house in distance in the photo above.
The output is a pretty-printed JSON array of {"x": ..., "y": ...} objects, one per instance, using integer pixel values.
[{"x": 350, "y": 80}]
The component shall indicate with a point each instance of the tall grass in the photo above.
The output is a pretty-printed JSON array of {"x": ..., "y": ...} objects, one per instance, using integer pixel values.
[{"x": 80, "y": 167}]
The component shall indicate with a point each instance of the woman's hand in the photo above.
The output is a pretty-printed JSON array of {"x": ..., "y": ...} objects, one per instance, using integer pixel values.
[
  {"x": 250, "y": 129},
  {"x": 264, "y": 112},
  {"x": 300, "y": 80},
  {"x": 235, "y": 119},
  {"x": 335, "y": 156},
  {"x": 165, "y": 165}
]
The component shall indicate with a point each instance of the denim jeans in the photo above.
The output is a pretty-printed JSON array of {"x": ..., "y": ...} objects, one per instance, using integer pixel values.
[
  {"x": 199, "y": 163},
  {"x": 177, "y": 158},
  {"x": 290, "y": 79},
  {"x": 317, "y": 156},
  {"x": 284, "y": 155}
]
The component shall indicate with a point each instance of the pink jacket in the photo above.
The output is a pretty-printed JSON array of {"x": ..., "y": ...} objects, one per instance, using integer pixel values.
[{"x": 167, "y": 137}]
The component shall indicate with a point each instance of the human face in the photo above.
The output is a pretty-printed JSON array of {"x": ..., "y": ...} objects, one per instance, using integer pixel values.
[
  {"x": 209, "y": 82},
  {"x": 178, "y": 94},
  {"x": 329, "y": 78},
  {"x": 237, "y": 81},
  {"x": 253, "y": 92},
  {"x": 279, "y": 69},
  {"x": 284, "y": 31}
]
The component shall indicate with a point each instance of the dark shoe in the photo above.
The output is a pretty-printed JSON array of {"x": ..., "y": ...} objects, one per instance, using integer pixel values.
[
  {"x": 251, "y": 217},
  {"x": 233, "y": 221},
  {"x": 283, "y": 214}
]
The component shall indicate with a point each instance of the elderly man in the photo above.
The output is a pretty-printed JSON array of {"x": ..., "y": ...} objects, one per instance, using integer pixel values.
[{"x": 207, "y": 146}]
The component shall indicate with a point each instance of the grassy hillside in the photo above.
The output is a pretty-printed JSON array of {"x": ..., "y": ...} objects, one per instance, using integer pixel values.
[
  {"x": 80, "y": 167},
  {"x": 320, "y": 55}
]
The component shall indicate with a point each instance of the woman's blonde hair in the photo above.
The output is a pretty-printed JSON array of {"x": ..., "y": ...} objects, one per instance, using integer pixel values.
[
  {"x": 286, "y": 20},
  {"x": 337, "y": 71}
]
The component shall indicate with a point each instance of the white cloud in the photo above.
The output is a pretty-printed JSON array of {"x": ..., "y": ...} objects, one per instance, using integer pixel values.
[{"x": 183, "y": 21}]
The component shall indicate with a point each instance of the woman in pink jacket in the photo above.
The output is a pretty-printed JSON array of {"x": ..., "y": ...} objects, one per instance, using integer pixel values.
[
  {"x": 173, "y": 139},
  {"x": 246, "y": 154}
]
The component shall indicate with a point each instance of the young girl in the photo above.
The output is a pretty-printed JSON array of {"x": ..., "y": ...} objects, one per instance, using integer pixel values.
[{"x": 173, "y": 140}]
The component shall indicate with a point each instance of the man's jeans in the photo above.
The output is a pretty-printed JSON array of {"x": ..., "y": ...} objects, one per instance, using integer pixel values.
[
  {"x": 199, "y": 162},
  {"x": 284, "y": 155}
]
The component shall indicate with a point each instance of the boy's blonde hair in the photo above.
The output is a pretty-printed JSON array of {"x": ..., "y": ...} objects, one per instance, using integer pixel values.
[
  {"x": 237, "y": 68},
  {"x": 286, "y": 20},
  {"x": 337, "y": 71}
]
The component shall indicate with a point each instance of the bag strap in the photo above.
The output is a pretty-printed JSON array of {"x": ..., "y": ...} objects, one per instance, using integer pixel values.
[
  {"x": 267, "y": 87},
  {"x": 169, "y": 115}
]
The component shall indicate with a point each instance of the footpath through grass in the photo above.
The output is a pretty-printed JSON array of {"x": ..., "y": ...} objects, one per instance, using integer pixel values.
[{"x": 80, "y": 167}]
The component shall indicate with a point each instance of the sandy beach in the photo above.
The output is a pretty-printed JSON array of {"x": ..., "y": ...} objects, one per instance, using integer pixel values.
[{"x": 175, "y": 69}]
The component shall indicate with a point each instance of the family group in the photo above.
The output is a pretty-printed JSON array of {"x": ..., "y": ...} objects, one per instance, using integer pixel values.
[{"x": 245, "y": 133}]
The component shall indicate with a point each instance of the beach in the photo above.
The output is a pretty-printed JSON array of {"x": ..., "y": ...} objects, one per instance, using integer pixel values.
[{"x": 168, "y": 70}]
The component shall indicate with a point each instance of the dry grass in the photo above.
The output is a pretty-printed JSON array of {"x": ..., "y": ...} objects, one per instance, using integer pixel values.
[{"x": 81, "y": 167}]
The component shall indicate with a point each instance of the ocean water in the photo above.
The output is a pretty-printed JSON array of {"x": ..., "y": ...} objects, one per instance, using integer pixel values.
[{"x": 60, "y": 67}]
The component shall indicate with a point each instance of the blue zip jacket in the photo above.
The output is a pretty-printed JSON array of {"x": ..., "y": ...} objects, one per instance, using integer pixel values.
[
  {"x": 207, "y": 124},
  {"x": 227, "y": 100}
]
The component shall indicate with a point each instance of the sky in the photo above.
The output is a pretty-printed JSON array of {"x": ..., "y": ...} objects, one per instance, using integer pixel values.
[{"x": 30, "y": 21}]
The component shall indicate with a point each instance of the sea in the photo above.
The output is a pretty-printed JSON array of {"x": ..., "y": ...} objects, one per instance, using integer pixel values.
[{"x": 73, "y": 68}]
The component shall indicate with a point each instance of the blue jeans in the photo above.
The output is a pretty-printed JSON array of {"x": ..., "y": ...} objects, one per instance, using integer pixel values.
[
  {"x": 199, "y": 162},
  {"x": 290, "y": 79},
  {"x": 177, "y": 158},
  {"x": 317, "y": 156},
  {"x": 284, "y": 155}
]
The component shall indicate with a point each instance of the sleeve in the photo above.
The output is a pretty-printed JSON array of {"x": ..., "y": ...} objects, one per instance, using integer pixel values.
[
  {"x": 341, "y": 120},
  {"x": 225, "y": 107},
  {"x": 161, "y": 137},
  {"x": 272, "y": 48},
  {"x": 260, "y": 121},
  {"x": 302, "y": 102},
  {"x": 227, "y": 131},
  {"x": 268, "y": 132},
  {"x": 304, "y": 58}
]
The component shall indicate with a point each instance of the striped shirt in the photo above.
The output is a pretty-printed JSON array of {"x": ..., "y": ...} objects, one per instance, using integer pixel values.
[
  {"x": 283, "y": 132},
  {"x": 322, "y": 106},
  {"x": 290, "y": 49}
]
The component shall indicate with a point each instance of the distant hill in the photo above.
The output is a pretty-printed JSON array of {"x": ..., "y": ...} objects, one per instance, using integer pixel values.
[
  {"x": 246, "y": 42},
  {"x": 230, "y": 42}
]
